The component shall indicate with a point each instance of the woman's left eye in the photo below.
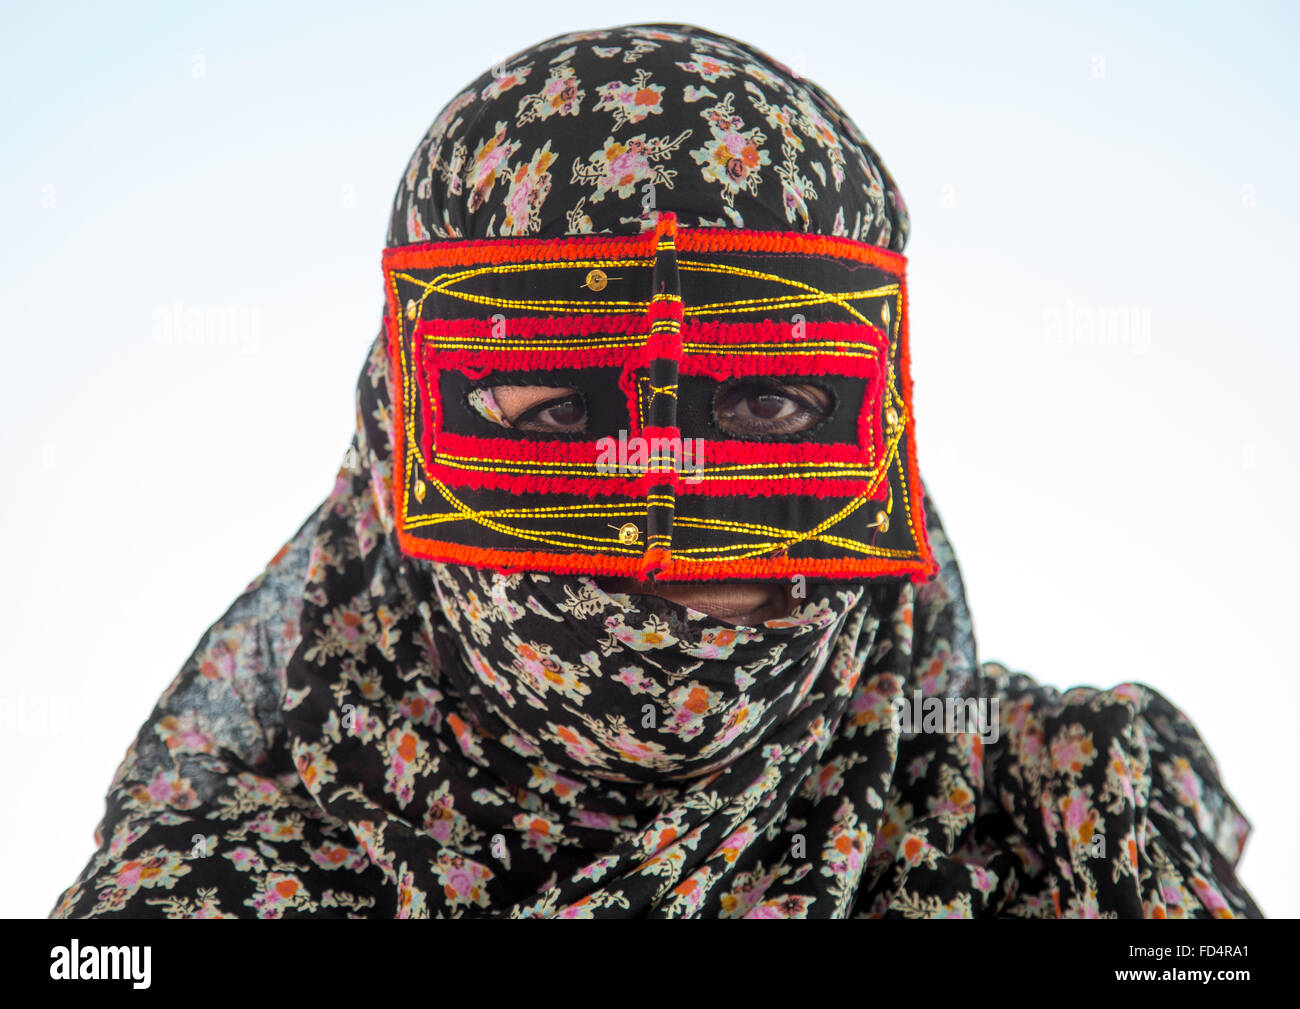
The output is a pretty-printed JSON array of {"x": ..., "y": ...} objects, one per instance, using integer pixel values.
[{"x": 754, "y": 408}]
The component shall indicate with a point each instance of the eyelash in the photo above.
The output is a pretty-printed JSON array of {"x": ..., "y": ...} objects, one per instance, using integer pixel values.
[
  {"x": 539, "y": 408},
  {"x": 762, "y": 385},
  {"x": 789, "y": 394}
]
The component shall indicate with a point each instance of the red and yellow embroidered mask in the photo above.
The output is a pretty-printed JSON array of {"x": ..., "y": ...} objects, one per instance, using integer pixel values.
[{"x": 685, "y": 404}]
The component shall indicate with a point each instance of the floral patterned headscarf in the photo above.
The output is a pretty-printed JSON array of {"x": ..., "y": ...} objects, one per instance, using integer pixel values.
[
  {"x": 569, "y": 136},
  {"x": 368, "y": 734}
]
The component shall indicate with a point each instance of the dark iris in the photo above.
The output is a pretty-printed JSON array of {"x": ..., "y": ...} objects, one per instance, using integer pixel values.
[
  {"x": 564, "y": 414},
  {"x": 763, "y": 407}
]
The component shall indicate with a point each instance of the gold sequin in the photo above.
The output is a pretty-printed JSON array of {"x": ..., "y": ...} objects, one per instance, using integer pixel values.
[
  {"x": 420, "y": 490},
  {"x": 596, "y": 280},
  {"x": 628, "y": 533},
  {"x": 891, "y": 417},
  {"x": 411, "y": 309},
  {"x": 882, "y": 522}
]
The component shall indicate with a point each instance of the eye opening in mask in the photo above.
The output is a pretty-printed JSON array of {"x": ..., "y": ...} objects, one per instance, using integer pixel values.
[
  {"x": 531, "y": 407},
  {"x": 771, "y": 408}
]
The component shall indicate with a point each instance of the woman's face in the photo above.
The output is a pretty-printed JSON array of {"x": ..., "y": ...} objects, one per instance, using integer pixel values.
[{"x": 751, "y": 408}]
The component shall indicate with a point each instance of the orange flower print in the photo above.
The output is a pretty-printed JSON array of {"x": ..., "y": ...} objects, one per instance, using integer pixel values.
[
  {"x": 529, "y": 185},
  {"x": 630, "y": 103},
  {"x": 621, "y": 167},
  {"x": 510, "y": 77},
  {"x": 1073, "y": 750},
  {"x": 489, "y": 161},
  {"x": 280, "y": 892},
  {"x": 577, "y": 746},
  {"x": 793, "y": 906},
  {"x": 463, "y": 880},
  {"x": 710, "y": 68}
]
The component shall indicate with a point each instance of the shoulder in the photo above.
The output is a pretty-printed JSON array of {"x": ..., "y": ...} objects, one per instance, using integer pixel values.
[{"x": 1121, "y": 793}]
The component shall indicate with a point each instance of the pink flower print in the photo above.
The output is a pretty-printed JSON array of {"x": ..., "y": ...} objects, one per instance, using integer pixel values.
[
  {"x": 633, "y": 749},
  {"x": 512, "y": 77},
  {"x": 579, "y": 747},
  {"x": 630, "y": 103},
  {"x": 415, "y": 224},
  {"x": 719, "y": 642},
  {"x": 246, "y": 859},
  {"x": 530, "y": 185},
  {"x": 738, "y": 721},
  {"x": 183, "y": 736},
  {"x": 782, "y": 907},
  {"x": 463, "y": 879},
  {"x": 333, "y": 856},
  {"x": 848, "y": 853},
  {"x": 829, "y": 781},
  {"x": 709, "y": 68},
  {"x": 1073, "y": 750},
  {"x": 736, "y": 843},
  {"x": 559, "y": 96},
  {"x": 597, "y": 821},
  {"x": 489, "y": 160},
  {"x": 277, "y": 893},
  {"x": 168, "y": 788},
  {"x": 982, "y": 879},
  {"x": 1211, "y": 898}
]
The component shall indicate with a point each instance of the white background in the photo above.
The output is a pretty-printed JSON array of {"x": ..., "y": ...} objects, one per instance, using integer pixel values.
[{"x": 1122, "y": 509}]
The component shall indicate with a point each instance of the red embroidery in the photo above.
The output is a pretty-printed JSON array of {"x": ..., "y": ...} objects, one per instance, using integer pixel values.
[
  {"x": 741, "y": 240},
  {"x": 510, "y": 561},
  {"x": 915, "y": 490}
]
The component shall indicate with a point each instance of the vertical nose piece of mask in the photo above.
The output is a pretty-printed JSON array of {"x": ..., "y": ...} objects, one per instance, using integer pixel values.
[{"x": 664, "y": 351}]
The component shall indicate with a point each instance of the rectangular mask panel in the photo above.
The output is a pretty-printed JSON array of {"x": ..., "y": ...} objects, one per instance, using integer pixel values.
[{"x": 658, "y": 333}]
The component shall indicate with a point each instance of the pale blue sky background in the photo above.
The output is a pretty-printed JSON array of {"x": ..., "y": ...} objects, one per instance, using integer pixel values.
[{"x": 1122, "y": 510}]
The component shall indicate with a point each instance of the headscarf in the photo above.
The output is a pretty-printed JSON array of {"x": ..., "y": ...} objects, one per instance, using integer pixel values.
[
  {"x": 567, "y": 137},
  {"x": 368, "y": 734}
]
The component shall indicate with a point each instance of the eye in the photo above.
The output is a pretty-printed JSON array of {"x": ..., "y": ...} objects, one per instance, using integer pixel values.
[
  {"x": 544, "y": 409},
  {"x": 766, "y": 407}
]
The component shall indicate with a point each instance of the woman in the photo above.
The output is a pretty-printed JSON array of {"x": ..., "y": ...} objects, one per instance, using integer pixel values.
[{"x": 521, "y": 664}]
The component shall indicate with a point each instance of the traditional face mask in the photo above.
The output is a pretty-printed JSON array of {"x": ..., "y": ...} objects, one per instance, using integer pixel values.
[{"x": 687, "y": 404}]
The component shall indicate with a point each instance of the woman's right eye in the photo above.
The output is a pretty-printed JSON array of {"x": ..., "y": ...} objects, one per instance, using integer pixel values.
[
  {"x": 567, "y": 415},
  {"x": 542, "y": 409}
]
